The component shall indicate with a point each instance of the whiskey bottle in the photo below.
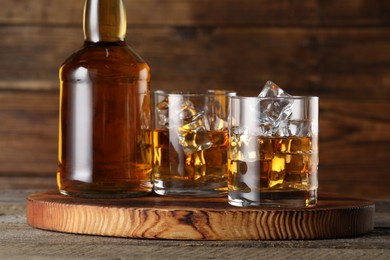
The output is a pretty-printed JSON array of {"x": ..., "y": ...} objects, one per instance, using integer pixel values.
[{"x": 104, "y": 120}]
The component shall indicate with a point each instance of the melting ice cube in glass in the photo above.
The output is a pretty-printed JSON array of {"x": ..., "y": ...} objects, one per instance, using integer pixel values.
[
  {"x": 297, "y": 128},
  {"x": 275, "y": 106},
  {"x": 190, "y": 125},
  {"x": 162, "y": 113}
]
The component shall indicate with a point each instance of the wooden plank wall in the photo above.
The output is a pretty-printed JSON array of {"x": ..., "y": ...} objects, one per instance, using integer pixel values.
[{"x": 337, "y": 50}]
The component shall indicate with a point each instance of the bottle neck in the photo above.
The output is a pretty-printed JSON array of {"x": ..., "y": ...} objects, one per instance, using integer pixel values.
[{"x": 104, "y": 21}]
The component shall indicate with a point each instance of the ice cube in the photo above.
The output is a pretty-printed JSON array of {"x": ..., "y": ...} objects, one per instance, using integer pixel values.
[
  {"x": 189, "y": 125},
  {"x": 191, "y": 128},
  {"x": 188, "y": 113},
  {"x": 196, "y": 169},
  {"x": 297, "y": 128},
  {"x": 193, "y": 137},
  {"x": 245, "y": 143},
  {"x": 263, "y": 129},
  {"x": 162, "y": 113},
  {"x": 296, "y": 163},
  {"x": 275, "y": 106},
  {"x": 271, "y": 90},
  {"x": 278, "y": 172},
  {"x": 266, "y": 149}
]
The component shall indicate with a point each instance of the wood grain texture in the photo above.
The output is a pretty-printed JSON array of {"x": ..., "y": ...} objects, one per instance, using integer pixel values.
[
  {"x": 28, "y": 132},
  {"x": 326, "y": 62},
  {"x": 208, "y": 12},
  {"x": 36, "y": 182},
  {"x": 198, "y": 219}
]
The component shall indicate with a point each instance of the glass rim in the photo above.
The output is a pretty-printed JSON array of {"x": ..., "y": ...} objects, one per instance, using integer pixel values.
[
  {"x": 196, "y": 93},
  {"x": 275, "y": 98}
]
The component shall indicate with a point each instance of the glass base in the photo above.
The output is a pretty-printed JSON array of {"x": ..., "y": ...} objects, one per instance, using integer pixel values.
[
  {"x": 276, "y": 199},
  {"x": 119, "y": 195},
  {"x": 190, "y": 189},
  {"x": 105, "y": 190}
]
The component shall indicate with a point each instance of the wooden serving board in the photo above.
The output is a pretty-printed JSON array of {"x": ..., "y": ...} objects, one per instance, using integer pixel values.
[{"x": 157, "y": 217}]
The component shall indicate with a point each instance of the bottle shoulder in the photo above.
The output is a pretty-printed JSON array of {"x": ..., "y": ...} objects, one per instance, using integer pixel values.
[{"x": 106, "y": 58}]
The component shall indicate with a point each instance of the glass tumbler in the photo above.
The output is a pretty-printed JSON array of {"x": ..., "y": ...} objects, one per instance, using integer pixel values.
[
  {"x": 273, "y": 152},
  {"x": 190, "y": 142}
]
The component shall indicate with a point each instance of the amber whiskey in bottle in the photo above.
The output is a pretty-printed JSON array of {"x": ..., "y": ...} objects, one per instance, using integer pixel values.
[{"x": 104, "y": 122}]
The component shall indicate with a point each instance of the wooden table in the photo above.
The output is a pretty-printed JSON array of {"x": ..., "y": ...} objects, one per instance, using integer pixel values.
[{"x": 18, "y": 241}]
